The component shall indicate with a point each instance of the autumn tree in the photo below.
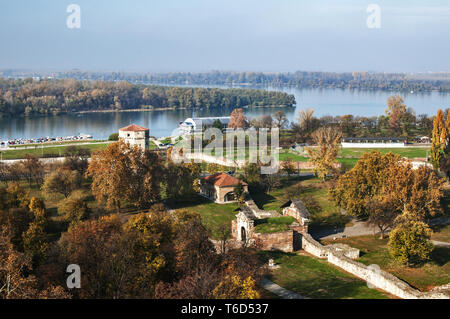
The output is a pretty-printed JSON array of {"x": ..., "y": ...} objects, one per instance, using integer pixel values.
[
  {"x": 61, "y": 181},
  {"x": 378, "y": 177},
  {"x": 125, "y": 173},
  {"x": 280, "y": 119},
  {"x": 35, "y": 243},
  {"x": 410, "y": 242},
  {"x": 235, "y": 287},
  {"x": 76, "y": 159},
  {"x": 395, "y": 109},
  {"x": 179, "y": 181},
  {"x": 323, "y": 156},
  {"x": 33, "y": 169},
  {"x": 439, "y": 139},
  {"x": 239, "y": 192},
  {"x": 306, "y": 125},
  {"x": 213, "y": 168},
  {"x": 238, "y": 119},
  {"x": 74, "y": 208},
  {"x": 105, "y": 255},
  {"x": 14, "y": 284},
  {"x": 288, "y": 166},
  {"x": 381, "y": 214}
]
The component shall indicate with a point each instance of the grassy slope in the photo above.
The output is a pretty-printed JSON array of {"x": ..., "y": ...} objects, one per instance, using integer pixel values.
[
  {"x": 424, "y": 277},
  {"x": 273, "y": 224},
  {"x": 213, "y": 215},
  {"x": 312, "y": 189},
  {"x": 315, "y": 278},
  {"x": 54, "y": 151}
]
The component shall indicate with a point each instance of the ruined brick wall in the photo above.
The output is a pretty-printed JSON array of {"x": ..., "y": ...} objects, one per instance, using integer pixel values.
[{"x": 283, "y": 241}]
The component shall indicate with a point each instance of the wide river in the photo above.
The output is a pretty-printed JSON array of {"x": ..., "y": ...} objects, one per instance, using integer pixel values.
[{"x": 162, "y": 123}]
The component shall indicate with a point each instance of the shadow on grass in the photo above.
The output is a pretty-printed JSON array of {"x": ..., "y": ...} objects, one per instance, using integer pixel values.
[
  {"x": 440, "y": 255},
  {"x": 194, "y": 201}
]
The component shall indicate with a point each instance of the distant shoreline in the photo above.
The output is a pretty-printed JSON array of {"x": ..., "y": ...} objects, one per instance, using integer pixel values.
[{"x": 172, "y": 109}]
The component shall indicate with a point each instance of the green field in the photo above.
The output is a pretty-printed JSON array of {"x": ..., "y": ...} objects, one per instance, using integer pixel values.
[
  {"x": 316, "y": 278},
  {"x": 56, "y": 151},
  {"x": 273, "y": 224},
  {"x": 313, "y": 191},
  {"x": 56, "y": 143},
  {"x": 213, "y": 215},
  {"x": 436, "y": 272},
  {"x": 409, "y": 152}
]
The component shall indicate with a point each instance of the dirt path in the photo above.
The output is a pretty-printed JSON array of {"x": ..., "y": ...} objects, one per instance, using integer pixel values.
[{"x": 360, "y": 228}]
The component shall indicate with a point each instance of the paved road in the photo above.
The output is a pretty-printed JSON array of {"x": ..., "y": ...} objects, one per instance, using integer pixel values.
[
  {"x": 280, "y": 291},
  {"x": 441, "y": 244},
  {"x": 360, "y": 229}
]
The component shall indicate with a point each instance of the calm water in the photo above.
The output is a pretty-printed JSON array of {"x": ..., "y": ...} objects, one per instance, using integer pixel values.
[{"x": 162, "y": 123}]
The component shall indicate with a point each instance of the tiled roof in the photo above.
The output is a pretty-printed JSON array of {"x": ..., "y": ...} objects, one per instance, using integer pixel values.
[
  {"x": 133, "y": 128},
  {"x": 222, "y": 180}
]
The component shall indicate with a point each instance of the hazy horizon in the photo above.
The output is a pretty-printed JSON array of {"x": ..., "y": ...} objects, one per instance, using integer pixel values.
[{"x": 201, "y": 36}]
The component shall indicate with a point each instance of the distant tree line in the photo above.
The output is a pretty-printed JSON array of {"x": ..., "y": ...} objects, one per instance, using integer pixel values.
[
  {"x": 301, "y": 79},
  {"x": 33, "y": 97}
]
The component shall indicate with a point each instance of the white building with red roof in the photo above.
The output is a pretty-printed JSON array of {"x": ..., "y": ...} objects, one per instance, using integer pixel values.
[
  {"x": 219, "y": 187},
  {"x": 135, "y": 135}
]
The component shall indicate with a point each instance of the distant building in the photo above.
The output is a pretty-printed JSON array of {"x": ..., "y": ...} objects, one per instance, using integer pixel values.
[
  {"x": 135, "y": 135},
  {"x": 373, "y": 142},
  {"x": 219, "y": 187},
  {"x": 197, "y": 124}
]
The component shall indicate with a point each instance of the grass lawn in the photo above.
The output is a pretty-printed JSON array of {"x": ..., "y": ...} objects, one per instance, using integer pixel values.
[
  {"x": 56, "y": 151},
  {"x": 409, "y": 152},
  {"x": 47, "y": 151},
  {"x": 273, "y": 224},
  {"x": 56, "y": 143},
  {"x": 213, "y": 215},
  {"x": 315, "y": 278},
  {"x": 424, "y": 277},
  {"x": 441, "y": 233},
  {"x": 313, "y": 191}
]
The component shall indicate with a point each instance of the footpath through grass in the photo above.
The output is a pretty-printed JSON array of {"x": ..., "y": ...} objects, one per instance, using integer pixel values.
[
  {"x": 436, "y": 272},
  {"x": 315, "y": 278}
]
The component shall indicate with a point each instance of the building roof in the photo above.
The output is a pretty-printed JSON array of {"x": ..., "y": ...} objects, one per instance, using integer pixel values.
[
  {"x": 133, "y": 128},
  {"x": 247, "y": 212},
  {"x": 206, "y": 121},
  {"x": 223, "y": 180},
  {"x": 300, "y": 206}
]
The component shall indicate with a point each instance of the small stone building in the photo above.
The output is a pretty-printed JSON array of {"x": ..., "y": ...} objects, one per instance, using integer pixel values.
[
  {"x": 135, "y": 135},
  {"x": 296, "y": 208},
  {"x": 243, "y": 231},
  {"x": 219, "y": 187}
]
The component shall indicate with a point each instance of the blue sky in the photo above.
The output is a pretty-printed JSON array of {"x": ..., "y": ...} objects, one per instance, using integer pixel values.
[{"x": 240, "y": 35}]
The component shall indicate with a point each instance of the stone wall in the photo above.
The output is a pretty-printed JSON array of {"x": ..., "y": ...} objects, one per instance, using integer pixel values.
[
  {"x": 313, "y": 247},
  {"x": 372, "y": 274},
  {"x": 283, "y": 241}
]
